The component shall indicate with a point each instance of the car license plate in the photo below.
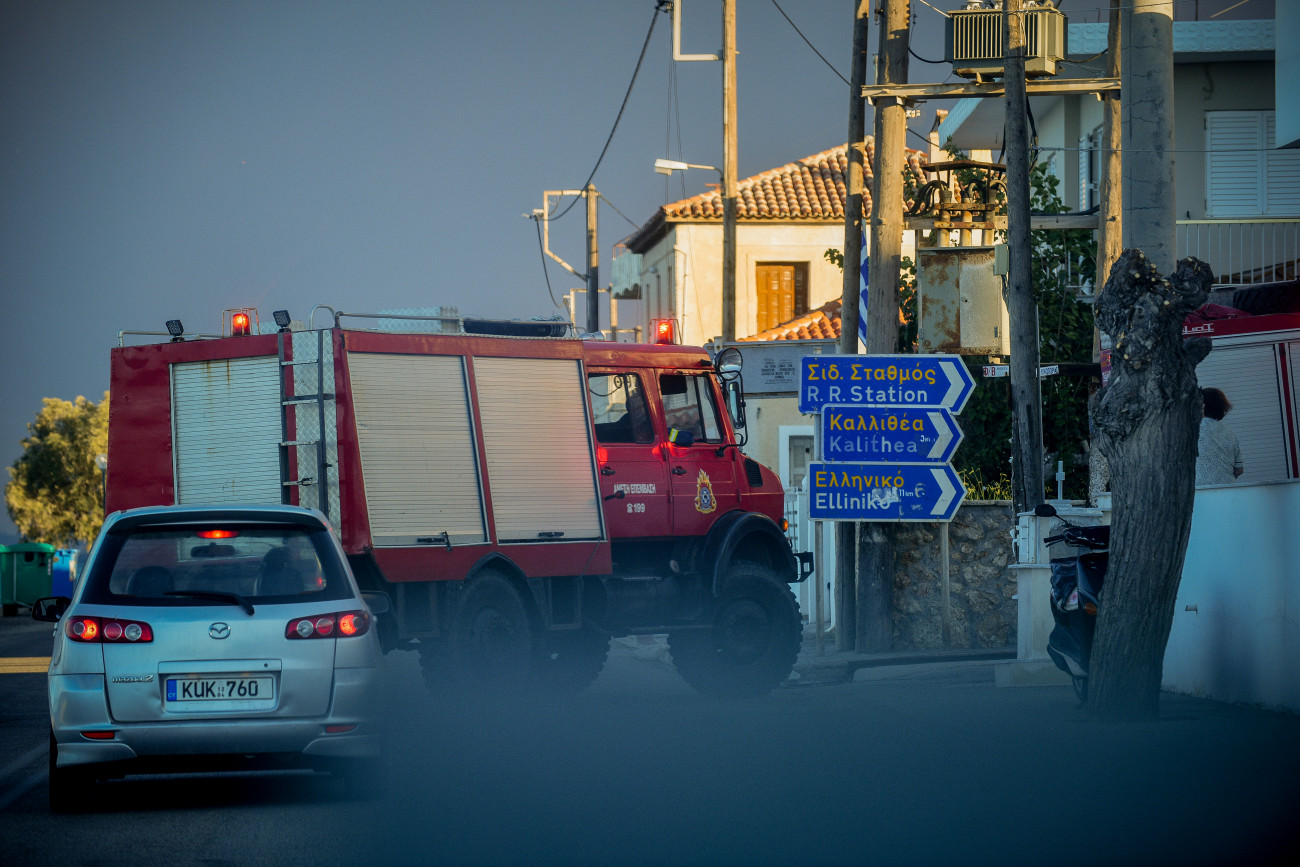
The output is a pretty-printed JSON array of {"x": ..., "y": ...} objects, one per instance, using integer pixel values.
[{"x": 220, "y": 688}]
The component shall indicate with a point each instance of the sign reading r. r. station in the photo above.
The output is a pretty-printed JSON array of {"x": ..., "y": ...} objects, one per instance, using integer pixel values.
[{"x": 884, "y": 380}]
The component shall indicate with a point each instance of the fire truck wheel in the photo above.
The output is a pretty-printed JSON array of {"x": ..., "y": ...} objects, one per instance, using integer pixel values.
[
  {"x": 571, "y": 661},
  {"x": 490, "y": 641},
  {"x": 755, "y": 638}
]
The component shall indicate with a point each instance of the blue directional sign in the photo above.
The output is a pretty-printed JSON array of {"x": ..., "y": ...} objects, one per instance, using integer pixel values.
[
  {"x": 872, "y": 433},
  {"x": 883, "y": 492},
  {"x": 884, "y": 380}
]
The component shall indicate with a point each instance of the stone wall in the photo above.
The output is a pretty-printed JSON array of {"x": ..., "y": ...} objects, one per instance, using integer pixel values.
[{"x": 982, "y": 608}]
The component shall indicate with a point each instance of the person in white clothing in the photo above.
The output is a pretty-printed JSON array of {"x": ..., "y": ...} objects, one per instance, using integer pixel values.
[{"x": 1218, "y": 454}]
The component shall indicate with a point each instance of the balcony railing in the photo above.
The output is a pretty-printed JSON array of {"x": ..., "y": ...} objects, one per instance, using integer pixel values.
[{"x": 1243, "y": 252}]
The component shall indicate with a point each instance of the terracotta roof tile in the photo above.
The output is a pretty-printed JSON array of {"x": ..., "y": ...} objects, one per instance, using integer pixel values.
[
  {"x": 812, "y": 188},
  {"x": 820, "y": 324}
]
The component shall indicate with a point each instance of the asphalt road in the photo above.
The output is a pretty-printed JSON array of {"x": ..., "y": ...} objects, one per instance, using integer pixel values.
[{"x": 920, "y": 765}]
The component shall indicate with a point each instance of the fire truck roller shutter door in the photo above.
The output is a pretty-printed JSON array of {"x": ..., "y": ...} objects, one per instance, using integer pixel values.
[
  {"x": 417, "y": 448},
  {"x": 539, "y": 452},
  {"x": 226, "y": 419}
]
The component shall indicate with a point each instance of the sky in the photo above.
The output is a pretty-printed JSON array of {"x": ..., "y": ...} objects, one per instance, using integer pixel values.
[{"x": 171, "y": 159}]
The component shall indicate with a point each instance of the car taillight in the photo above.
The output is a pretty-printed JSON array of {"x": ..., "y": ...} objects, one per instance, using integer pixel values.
[
  {"x": 348, "y": 624},
  {"x": 101, "y": 630}
]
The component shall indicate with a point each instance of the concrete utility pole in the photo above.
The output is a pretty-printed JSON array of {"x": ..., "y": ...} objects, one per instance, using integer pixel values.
[
  {"x": 845, "y": 531},
  {"x": 1111, "y": 239},
  {"x": 1027, "y": 423},
  {"x": 1110, "y": 232},
  {"x": 871, "y": 611},
  {"x": 729, "y": 194},
  {"x": 1147, "y": 85},
  {"x": 593, "y": 261}
]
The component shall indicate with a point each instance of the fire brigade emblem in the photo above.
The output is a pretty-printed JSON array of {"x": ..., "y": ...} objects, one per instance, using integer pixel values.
[{"x": 704, "y": 500}]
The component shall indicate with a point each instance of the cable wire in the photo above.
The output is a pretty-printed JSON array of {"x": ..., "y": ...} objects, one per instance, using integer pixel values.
[
  {"x": 617, "y": 211},
  {"x": 922, "y": 59},
  {"x": 654, "y": 19},
  {"x": 806, "y": 42},
  {"x": 541, "y": 248}
]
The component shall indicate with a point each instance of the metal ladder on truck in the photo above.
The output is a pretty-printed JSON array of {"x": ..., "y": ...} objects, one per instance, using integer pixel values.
[{"x": 307, "y": 420}]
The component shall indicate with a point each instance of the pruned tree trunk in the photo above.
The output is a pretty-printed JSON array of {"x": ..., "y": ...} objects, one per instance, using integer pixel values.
[{"x": 1147, "y": 420}]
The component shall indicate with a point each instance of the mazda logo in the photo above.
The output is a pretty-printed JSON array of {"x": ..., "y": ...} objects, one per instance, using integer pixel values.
[{"x": 219, "y": 630}]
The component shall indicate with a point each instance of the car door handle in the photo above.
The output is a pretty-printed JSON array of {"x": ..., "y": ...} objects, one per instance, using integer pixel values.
[
  {"x": 679, "y": 471},
  {"x": 607, "y": 470}
]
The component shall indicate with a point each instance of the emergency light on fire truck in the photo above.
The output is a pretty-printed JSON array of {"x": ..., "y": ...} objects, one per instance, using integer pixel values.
[
  {"x": 664, "y": 330},
  {"x": 240, "y": 322}
]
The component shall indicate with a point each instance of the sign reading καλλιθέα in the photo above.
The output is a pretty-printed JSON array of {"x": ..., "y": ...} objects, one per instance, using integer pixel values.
[{"x": 875, "y": 433}]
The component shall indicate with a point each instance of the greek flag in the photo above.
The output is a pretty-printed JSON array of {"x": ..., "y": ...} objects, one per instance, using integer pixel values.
[{"x": 862, "y": 296}]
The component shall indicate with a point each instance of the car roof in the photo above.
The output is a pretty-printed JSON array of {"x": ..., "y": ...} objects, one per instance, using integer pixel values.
[{"x": 191, "y": 513}]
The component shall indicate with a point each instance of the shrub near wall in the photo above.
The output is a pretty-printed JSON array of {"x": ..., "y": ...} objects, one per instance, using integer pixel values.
[{"x": 981, "y": 600}]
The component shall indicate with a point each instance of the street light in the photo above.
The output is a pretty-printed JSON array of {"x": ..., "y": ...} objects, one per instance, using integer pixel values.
[{"x": 667, "y": 167}]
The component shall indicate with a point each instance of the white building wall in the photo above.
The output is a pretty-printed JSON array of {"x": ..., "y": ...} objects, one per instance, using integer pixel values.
[
  {"x": 1235, "y": 634},
  {"x": 1203, "y": 87},
  {"x": 681, "y": 275}
]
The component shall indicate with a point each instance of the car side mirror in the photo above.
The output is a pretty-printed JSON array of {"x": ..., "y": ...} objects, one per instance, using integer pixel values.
[
  {"x": 376, "y": 602},
  {"x": 50, "y": 609}
]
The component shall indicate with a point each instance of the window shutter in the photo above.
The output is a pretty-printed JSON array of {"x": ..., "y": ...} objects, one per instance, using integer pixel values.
[
  {"x": 1234, "y": 166},
  {"x": 1282, "y": 168}
]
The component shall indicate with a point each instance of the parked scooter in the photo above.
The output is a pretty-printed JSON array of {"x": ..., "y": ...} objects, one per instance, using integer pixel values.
[{"x": 1076, "y": 593}]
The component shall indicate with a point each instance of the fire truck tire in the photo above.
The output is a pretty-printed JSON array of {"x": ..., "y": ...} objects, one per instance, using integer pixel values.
[
  {"x": 571, "y": 661},
  {"x": 754, "y": 642},
  {"x": 490, "y": 643}
]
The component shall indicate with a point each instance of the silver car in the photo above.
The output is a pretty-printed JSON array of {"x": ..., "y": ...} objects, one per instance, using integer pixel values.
[{"x": 210, "y": 638}]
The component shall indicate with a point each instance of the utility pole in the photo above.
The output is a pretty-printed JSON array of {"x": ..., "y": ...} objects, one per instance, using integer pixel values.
[
  {"x": 593, "y": 262},
  {"x": 1022, "y": 312},
  {"x": 845, "y": 531},
  {"x": 1110, "y": 233},
  {"x": 872, "y": 608},
  {"x": 1147, "y": 88},
  {"x": 1111, "y": 237},
  {"x": 730, "y": 198},
  {"x": 592, "y": 277},
  {"x": 729, "y": 194}
]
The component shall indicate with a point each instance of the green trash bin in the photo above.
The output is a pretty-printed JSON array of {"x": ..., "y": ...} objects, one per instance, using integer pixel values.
[{"x": 25, "y": 574}]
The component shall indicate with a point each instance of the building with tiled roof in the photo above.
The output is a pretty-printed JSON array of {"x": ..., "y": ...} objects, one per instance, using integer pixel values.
[
  {"x": 820, "y": 324},
  {"x": 787, "y": 218}
]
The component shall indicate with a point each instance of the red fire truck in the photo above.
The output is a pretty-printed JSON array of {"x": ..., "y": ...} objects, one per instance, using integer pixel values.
[{"x": 520, "y": 497}]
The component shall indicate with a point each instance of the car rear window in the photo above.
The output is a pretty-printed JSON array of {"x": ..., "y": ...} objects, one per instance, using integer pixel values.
[{"x": 163, "y": 565}]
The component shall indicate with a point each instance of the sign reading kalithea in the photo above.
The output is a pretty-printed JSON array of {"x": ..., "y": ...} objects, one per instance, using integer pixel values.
[
  {"x": 873, "y": 433},
  {"x": 887, "y": 434}
]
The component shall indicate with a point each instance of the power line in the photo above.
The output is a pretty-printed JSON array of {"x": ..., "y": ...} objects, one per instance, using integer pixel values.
[
  {"x": 654, "y": 19},
  {"x": 617, "y": 211},
  {"x": 541, "y": 248},
  {"x": 806, "y": 42}
]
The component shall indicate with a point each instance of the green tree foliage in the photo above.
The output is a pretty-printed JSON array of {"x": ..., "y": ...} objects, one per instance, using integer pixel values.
[
  {"x": 55, "y": 492},
  {"x": 1061, "y": 262}
]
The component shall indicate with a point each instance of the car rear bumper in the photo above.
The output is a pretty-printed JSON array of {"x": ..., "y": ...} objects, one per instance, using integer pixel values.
[{"x": 78, "y": 704}]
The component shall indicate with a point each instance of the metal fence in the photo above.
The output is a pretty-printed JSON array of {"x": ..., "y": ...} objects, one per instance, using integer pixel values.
[{"x": 1243, "y": 252}]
